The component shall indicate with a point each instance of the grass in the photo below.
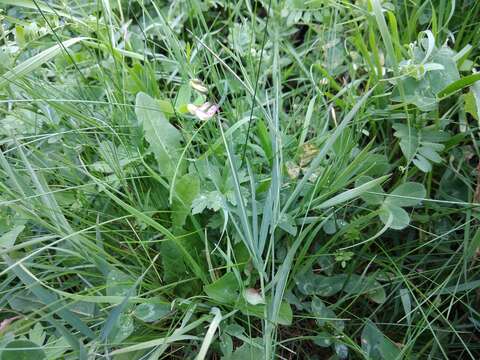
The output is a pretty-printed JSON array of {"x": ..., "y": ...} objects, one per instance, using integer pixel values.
[{"x": 322, "y": 205}]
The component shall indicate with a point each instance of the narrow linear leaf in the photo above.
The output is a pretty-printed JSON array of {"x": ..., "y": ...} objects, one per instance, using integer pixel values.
[
  {"x": 352, "y": 193},
  {"x": 459, "y": 85},
  {"x": 7, "y": 240},
  {"x": 36, "y": 61},
  {"x": 48, "y": 298}
]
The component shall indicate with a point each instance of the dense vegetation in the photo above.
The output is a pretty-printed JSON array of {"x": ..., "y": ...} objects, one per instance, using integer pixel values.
[{"x": 239, "y": 179}]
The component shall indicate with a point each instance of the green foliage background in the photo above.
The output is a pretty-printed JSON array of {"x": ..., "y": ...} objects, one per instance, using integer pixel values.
[{"x": 327, "y": 210}]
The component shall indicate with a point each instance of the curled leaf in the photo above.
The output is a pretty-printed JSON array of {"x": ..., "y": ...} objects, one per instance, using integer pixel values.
[
  {"x": 198, "y": 85},
  {"x": 253, "y": 296}
]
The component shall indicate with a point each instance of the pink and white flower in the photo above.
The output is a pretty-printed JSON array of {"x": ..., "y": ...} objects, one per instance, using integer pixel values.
[{"x": 203, "y": 112}]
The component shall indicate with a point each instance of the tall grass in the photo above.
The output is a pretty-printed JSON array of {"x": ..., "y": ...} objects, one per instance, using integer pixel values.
[{"x": 327, "y": 210}]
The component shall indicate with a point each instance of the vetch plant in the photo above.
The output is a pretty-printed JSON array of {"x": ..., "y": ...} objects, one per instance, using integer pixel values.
[{"x": 327, "y": 210}]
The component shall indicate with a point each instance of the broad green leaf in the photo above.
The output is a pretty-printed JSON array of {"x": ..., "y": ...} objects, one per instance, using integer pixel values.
[
  {"x": 234, "y": 329},
  {"x": 226, "y": 345},
  {"x": 323, "y": 315},
  {"x": 418, "y": 93},
  {"x": 150, "y": 312},
  {"x": 407, "y": 194},
  {"x": 22, "y": 122},
  {"x": 287, "y": 223},
  {"x": 453, "y": 187},
  {"x": 118, "y": 283},
  {"x": 422, "y": 163},
  {"x": 375, "y": 165},
  {"x": 408, "y": 140},
  {"x": 223, "y": 290},
  {"x": 7, "y": 240},
  {"x": 378, "y": 295},
  {"x": 24, "y": 300},
  {"x": 186, "y": 189},
  {"x": 122, "y": 329},
  {"x": 365, "y": 285},
  {"x": 285, "y": 314},
  {"x": 313, "y": 284},
  {"x": 36, "y": 334},
  {"x": 424, "y": 92},
  {"x": 400, "y": 218},
  {"x": 376, "y": 345},
  {"x": 375, "y": 195},
  {"x": 440, "y": 79},
  {"x": 323, "y": 339},
  {"x": 430, "y": 137},
  {"x": 212, "y": 200},
  {"x": 22, "y": 350},
  {"x": 36, "y": 61},
  {"x": 174, "y": 268},
  {"x": 248, "y": 351},
  {"x": 331, "y": 226},
  {"x": 341, "y": 350},
  {"x": 176, "y": 242},
  {"x": 429, "y": 153},
  {"x": 119, "y": 325},
  {"x": 163, "y": 137},
  {"x": 183, "y": 98},
  {"x": 56, "y": 347}
]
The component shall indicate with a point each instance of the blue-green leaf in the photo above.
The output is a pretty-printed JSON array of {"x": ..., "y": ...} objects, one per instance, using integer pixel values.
[
  {"x": 376, "y": 345},
  {"x": 22, "y": 350},
  {"x": 399, "y": 218},
  {"x": 407, "y": 194},
  {"x": 150, "y": 312}
]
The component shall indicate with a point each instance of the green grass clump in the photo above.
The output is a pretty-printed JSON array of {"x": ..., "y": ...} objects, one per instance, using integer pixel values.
[{"x": 239, "y": 180}]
